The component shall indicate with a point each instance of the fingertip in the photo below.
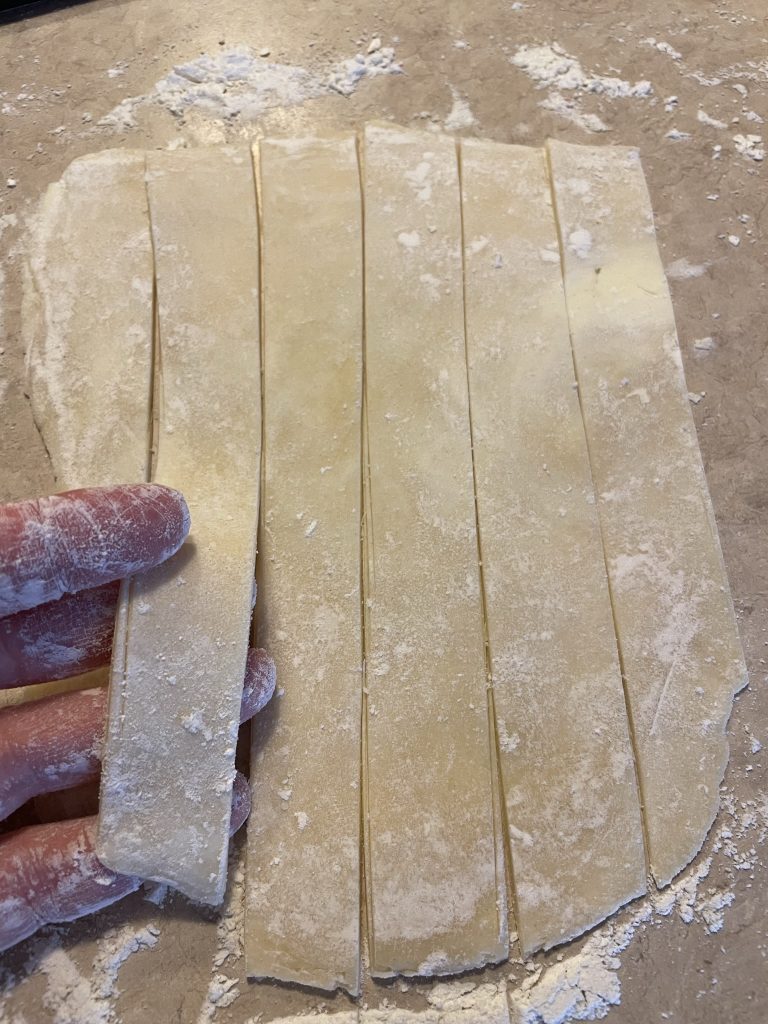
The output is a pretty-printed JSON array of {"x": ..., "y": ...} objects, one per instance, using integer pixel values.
[
  {"x": 166, "y": 516},
  {"x": 177, "y": 505},
  {"x": 241, "y": 803},
  {"x": 260, "y": 681}
]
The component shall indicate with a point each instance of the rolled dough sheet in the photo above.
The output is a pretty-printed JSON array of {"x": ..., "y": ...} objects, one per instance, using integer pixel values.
[
  {"x": 678, "y": 640},
  {"x": 566, "y": 758},
  {"x": 435, "y": 883},
  {"x": 89, "y": 361},
  {"x": 182, "y": 631},
  {"x": 303, "y": 889}
]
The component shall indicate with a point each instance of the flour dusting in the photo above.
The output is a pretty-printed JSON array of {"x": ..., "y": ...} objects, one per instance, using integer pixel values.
[
  {"x": 460, "y": 115},
  {"x": 750, "y": 146},
  {"x": 236, "y": 85},
  {"x": 223, "y": 988},
  {"x": 74, "y": 996},
  {"x": 586, "y": 985},
  {"x": 557, "y": 71},
  {"x": 682, "y": 269}
]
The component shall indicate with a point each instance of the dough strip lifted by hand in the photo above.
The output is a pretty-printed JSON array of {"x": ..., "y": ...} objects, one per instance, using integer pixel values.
[{"x": 182, "y": 631}]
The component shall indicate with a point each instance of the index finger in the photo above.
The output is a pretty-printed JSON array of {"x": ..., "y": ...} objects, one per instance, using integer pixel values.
[{"x": 81, "y": 539}]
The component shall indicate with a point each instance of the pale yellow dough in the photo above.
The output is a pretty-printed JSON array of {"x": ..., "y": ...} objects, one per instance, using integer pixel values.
[
  {"x": 89, "y": 360},
  {"x": 303, "y": 888},
  {"x": 403, "y": 321},
  {"x": 566, "y": 758},
  {"x": 182, "y": 631},
  {"x": 681, "y": 655},
  {"x": 435, "y": 881},
  {"x": 87, "y": 321}
]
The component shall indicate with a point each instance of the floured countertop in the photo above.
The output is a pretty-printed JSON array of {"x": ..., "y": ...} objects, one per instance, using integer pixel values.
[{"x": 689, "y": 87}]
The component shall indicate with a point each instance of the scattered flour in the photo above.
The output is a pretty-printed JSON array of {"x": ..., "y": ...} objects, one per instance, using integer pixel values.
[
  {"x": 222, "y": 989},
  {"x": 703, "y": 118},
  {"x": 750, "y": 146},
  {"x": 71, "y": 997},
  {"x": 580, "y": 243},
  {"x": 460, "y": 115},
  {"x": 570, "y": 109},
  {"x": 586, "y": 985},
  {"x": 582, "y": 986},
  {"x": 237, "y": 85},
  {"x": 681, "y": 269},
  {"x": 554, "y": 69},
  {"x": 663, "y": 47}
]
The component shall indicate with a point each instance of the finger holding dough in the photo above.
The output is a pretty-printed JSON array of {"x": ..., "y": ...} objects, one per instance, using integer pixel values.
[{"x": 85, "y": 538}]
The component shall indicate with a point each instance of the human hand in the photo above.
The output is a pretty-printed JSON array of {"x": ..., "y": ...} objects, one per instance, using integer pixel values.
[{"x": 61, "y": 559}]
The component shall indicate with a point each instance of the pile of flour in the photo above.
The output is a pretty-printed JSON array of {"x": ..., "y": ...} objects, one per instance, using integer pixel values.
[
  {"x": 238, "y": 85},
  {"x": 566, "y": 80}
]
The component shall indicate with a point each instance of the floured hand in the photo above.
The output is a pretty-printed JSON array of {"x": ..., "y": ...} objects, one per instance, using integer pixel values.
[{"x": 60, "y": 562}]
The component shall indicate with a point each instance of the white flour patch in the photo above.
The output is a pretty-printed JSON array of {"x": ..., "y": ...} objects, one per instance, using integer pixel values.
[
  {"x": 570, "y": 109},
  {"x": 681, "y": 269},
  {"x": 236, "y": 85},
  {"x": 75, "y": 995},
  {"x": 460, "y": 115},
  {"x": 676, "y": 135},
  {"x": 580, "y": 243},
  {"x": 409, "y": 239},
  {"x": 750, "y": 146},
  {"x": 663, "y": 47},
  {"x": 586, "y": 985},
  {"x": 223, "y": 989},
  {"x": 704, "y": 118},
  {"x": 554, "y": 69}
]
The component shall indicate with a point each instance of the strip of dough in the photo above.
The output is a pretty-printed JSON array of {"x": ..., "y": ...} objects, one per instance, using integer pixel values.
[
  {"x": 680, "y": 649},
  {"x": 182, "y": 629},
  {"x": 87, "y": 321},
  {"x": 303, "y": 894},
  {"x": 435, "y": 882},
  {"x": 566, "y": 758},
  {"x": 89, "y": 358}
]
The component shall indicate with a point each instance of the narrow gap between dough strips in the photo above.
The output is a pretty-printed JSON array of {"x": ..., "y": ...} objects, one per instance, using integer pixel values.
[
  {"x": 366, "y": 891},
  {"x": 627, "y": 704},
  {"x": 156, "y": 365},
  {"x": 257, "y": 187},
  {"x": 497, "y": 795},
  {"x": 254, "y": 630}
]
